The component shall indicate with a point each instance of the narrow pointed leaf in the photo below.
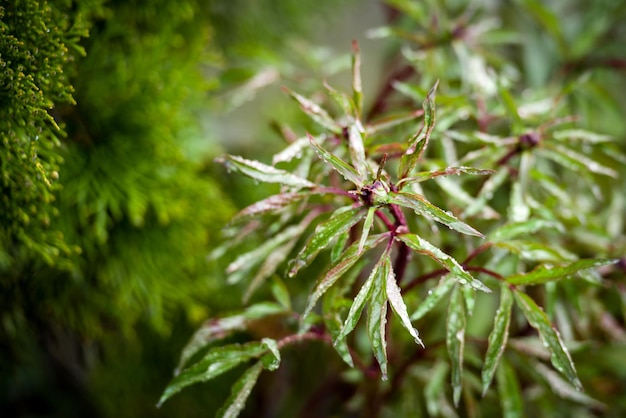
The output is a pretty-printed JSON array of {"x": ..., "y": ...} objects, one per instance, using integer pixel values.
[
  {"x": 293, "y": 150},
  {"x": 434, "y": 297},
  {"x": 427, "y": 175},
  {"x": 397, "y": 303},
  {"x": 455, "y": 341},
  {"x": 339, "y": 246},
  {"x": 271, "y": 360},
  {"x": 314, "y": 111},
  {"x": 216, "y": 362},
  {"x": 357, "y": 88},
  {"x": 346, "y": 170},
  {"x": 498, "y": 336},
  {"x": 390, "y": 122},
  {"x": 559, "y": 356},
  {"x": 422, "y": 246},
  {"x": 565, "y": 390},
  {"x": 269, "y": 205},
  {"x": 515, "y": 229},
  {"x": 341, "y": 221},
  {"x": 347, "y": 260},
  {"x": 547, "y": 273},
  {"x": 576, "y": 161},
  {"x": 509, "y": 391},
  {"x": 377, "y": 316},
  {"x": 263, "y": 172},
  {"x": 435, "y": 388},
  {"x": 419, "y": 141},
  {"x": 357, "y": 149},
  {"x": 341, "y": 98},
  {"x": 423, "y": 207},
  {"x": 367, "y": 225},
  {"x": 240, "y": 392},
  {"x": 361, "y": 298}
]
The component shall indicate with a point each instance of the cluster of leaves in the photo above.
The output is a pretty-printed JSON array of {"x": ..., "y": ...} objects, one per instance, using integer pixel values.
[{"x": 360, "y": 189}]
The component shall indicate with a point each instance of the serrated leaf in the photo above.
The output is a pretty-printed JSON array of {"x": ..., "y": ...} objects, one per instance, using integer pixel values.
[
  {"x": 509, "y": 391},
  {"x": 340, "y": 221},
  {"x": 434, "y": 297},
  {"x": 498, "y": 336},
  {"x": 361, "y": 298},
  {"x": 455, "y": 341},
  {"x": 346, "y": 170},
  {"x": 422, "y": 246},
  {"x": 367, "y": 225},
  {"x": 357, "y": 88},
  {"x": 419, "y": 141},
  {"x": 423, "y": 207},
  {"x": 547, "y": 273},
  {"x": 240, "y": 392},
  {"x": 271, "y": 204},
  {"x": 515, "y": 229},
  {"x": 377, "y": 316},
  {"x": 559, "y": 356},
  {"x": 347, "y": 260},
  {"x": 315, "y": 112},
  {"x": 394, "y": 297},
  {"x": 262, "y": 172},
  {"x": 216, "y": 362}
]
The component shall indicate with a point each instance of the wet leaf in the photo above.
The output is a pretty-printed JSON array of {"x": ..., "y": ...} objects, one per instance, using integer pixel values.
[
  {"x": 269, "y": 205},
  {"x": 423, "y": 207},
  {"x": 294, "y": 150},
  {"x": 271, "y": 361},
  {"x": 449, "y": 171},
  {"x": 498, "y": 336},
  {"x": 367, "y": 225},
  {"x": 357, "y": 149},
  {"x": 559, "y": 356},
  {"x": 422, "y": 246},
  {"x": 346, "y": 170},
  {"x": 377, "y": 316},
  {"x": 455, "y": 341},
  {"x": 434, "y": 297},
  {"x": 315, "y": 112},
  {"x": 547, "y": 273},
  {"x": 340, "y": 221},
  {"x": 262, "y": 172},
  {"x": 397, "y": 303},
  {"x": 347, "y": 260},
  {"x": 240, "y": 392}
]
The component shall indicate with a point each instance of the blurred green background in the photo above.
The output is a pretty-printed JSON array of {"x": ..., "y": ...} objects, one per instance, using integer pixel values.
[{"x": 111, "y": 115}]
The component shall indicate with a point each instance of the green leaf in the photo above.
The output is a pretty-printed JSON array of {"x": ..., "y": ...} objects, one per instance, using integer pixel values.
[
  {"x": 565, "y": 390},
  {"x": 515, "y": 229},
  {"x": 422, "y": 246},
  {"x": 419, "y": 141},
  {"x": 455, "y": 341},
  {"x": 392, "y": 121},
  {"x": 269, "y": 266},
  {"x": 367, "y": 225},
  {"x": 347, "y": 260},
  {"x": 240, "y": 392},
  {"x": 216, "y": 362},
  {"x": 436, "y": 387},
  {"x": 575, "y": 161},
  {"x": 559, "y": 356},
  {"x": 341, "y": 221},
  {"x": 357, "y": 149},
  {"x": 346, "y": 170},
  {"x": 448, "y": 171},
  {"x": 263, "y": 172},
  {"x": 377, "y": 315},
  {"x": 421, "y": 206},
  {"x": 339, "y": 246},
  {"x": 582, "y": 135},
  {"x": 341, "y": 98},
  {"x": 357, "y": 88},
  {"x": 510, "y": 106},
  {"x": 434, "y": 297},
  {"x": 509, "y": 391},
  {"x": 315, "y": 112},
  {"x": 538, "y": 252},
  {"x": 498, "y": 336},
  {"x": 293, "y": 150},
  {"x": 377, "y": 275},
  {"x": 281, "y": 293},
  {"x": 547, "y": 273},
  {"x": 394, "y": 297},
  {"x": 270, "y": 205},
  {"x": 271, "y": 361}
]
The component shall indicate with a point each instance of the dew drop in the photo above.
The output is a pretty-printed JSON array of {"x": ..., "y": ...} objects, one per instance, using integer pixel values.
[{"x": 430, "y": 292}]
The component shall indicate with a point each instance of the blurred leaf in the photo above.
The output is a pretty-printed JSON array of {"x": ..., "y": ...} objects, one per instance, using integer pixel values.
[
  {"x": 357, "y": 88},
  {"x": 377, "y": 314},
  {"x": 566, "y": 390},
  {"x": 514, "y": 229},
  {"x": 538, "y": 252},
  {"x": 343, "y": 264},
  {"x": 216, "y": 362},
  {"x": 559, "y": 356},
  {"x": 498, "y": 336},
  {"x": 391, "y": 121},
  {"x": 272, "y": 204},
  {"x": 346, "y": 170},
  {"x": 367, "y": 225},
  {"x": 434, "y": 297},
  {"x": 568, "y": 135},
  {"x": 270, "y": 361},
  {"x": 511, "y": 107},
  {"x": 509, "y": 391},
  {"x": 357, "y": 150},
  {"x": 422, "y": 246},
  {"x": 341, "y": 98},
  {"x": 293, "y": 150},
  {"x": 240, "y": 392},
  {"x": 448, "y": 171},
  {"x": 281, "y": 293},
  {"x": 434, "y": 389},
  {"x": 419, "y": 141},
  {"x": 316, "y": 113},
  {"x": 575, "y": 161},
  {"x": 455, "y": 341},
  {"x": 262, "y": 172},
  {"x": 548, "y": 273},
  {"x": 340, "y": 221},
  {"x": 423, "y": 207}
]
